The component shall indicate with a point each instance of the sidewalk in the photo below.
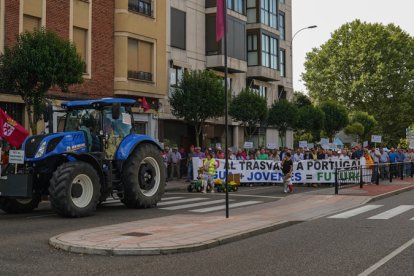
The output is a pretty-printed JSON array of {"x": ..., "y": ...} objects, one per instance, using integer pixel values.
[{"x": 184, "y": 233}]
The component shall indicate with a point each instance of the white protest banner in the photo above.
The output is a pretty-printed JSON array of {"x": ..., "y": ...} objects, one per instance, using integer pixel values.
[
  {"x": 324, "y": 141},
  {"x": 376, "y": 138},
  {"x": 365, "y": 144},
  {"x": 411, "y": 146},
  {"x": 311, "y": 146},
  {"x": 303, "y": 144},
  {"x": 271, "y": 145},
  {"x": 305, "y": 171},
  {"x": 248, "y": 145},
  {"x": 16, "y": 156}
]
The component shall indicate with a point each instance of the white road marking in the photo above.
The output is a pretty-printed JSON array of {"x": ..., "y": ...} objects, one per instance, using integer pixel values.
[
  {"x": 216, "y": 208},
  {"x": 181, "y": 201},
  {"x": 171, "y": 198},
  {"x": 387, "y": 258},
  {"x": 393, "y": 212},
  {"x": 186, "y": 206},
  {"x": 356, "y": 211},
  {"x": 236, "y": 195}
]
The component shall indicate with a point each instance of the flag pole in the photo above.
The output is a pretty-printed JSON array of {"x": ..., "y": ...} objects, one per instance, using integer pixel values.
[{"x": 226, "y": 107}]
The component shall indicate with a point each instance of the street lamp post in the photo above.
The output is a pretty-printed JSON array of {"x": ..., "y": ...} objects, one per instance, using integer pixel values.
[{"x": 298, "y": 31}]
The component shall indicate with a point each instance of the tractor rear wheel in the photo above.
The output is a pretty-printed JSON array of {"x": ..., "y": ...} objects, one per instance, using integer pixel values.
[
  {"x": 74, "y": 189},
  {"x": 18, "y": 206},
  {"x": 143, "y": 177}
]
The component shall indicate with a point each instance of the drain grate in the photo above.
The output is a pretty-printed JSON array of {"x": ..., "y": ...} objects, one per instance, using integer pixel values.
[{"x": 136, "y": 234}]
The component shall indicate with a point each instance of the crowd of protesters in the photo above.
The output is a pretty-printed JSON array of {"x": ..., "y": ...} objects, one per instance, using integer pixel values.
[{"x": 178, "y": 161}]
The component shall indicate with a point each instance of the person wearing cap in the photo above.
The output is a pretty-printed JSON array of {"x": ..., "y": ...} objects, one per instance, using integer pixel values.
[
  {"x": 231, "y": 155},
  {"x": 384, "y": 160},
  {"x": 174, "y": 159},
  {"x": 219, "y": 153}
]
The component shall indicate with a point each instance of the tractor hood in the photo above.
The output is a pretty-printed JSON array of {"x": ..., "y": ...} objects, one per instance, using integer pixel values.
[{"x": 40, "y": 147}]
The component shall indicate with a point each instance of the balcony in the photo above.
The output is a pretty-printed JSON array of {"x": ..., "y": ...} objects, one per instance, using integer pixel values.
[
  {"x": 234, "y": 65},
  {"x": 140, "y": 6},
  {"x": 140, "y": 75},
  {"x": 263, "y": 73}
]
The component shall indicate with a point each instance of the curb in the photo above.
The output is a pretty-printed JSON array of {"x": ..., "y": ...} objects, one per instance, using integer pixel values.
[
  {"x": 392, "y": 193},
  {"x": 96, "y": 250}
]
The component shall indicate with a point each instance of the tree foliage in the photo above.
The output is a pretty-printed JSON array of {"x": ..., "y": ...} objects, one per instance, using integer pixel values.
[
  {"x": 198, "y": 97},
  {"x": 311, "y": 119},
  {"x": 38, "y": 61},
  {"x": 283, "y": 115},
  {"x": 336, "y": 117},
  {"x": 366, "y": 67},
  {"x": 366, "y": 120},
  {"x": 300, "y": 99},
  {"x": 355, "y": 128},
  {"x": 250, "y": 109}
]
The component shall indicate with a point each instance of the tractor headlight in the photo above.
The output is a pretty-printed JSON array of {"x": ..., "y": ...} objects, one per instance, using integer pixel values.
[{"x": 41, "y": 150}]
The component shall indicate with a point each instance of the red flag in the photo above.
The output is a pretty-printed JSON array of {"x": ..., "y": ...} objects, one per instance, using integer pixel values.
[
  {"x": 220, "y": 20},
  {"x": 11, "y": 131},
  {"x": 145, "y": 105}
]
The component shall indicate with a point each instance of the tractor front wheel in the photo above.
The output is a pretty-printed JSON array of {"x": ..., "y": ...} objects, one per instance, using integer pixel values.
[
  {"x": 18, "y": 206},
  {"x": 74, "y": 189},
  {"x": 143, "y": 177}
]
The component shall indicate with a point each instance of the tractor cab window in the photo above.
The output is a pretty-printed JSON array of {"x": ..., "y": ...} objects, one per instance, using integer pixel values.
[
  {"x": 120, "y": 127},
  {"x": 79, "y": 119}
]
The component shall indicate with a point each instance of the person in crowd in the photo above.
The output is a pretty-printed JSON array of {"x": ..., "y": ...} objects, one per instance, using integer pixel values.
[
  {"x": 358, "y": 152},
  {"x": 183, "y": 161},
  {"x": 164, "y": 155},
  {"x": 209, "y": 168},
  {"x": 174, "y": 159},
  {"x": 198, "y": 153},
  {"x": 344, "y": 155},
  {"x": 321, "y": 154},
  {"x": 251, "y": 156},
  {"x": 219, "y": 153},
  {"x": 400, "y": 162},
  {"x": 367, "y": 169},
  {"x": 231, "y": 155},
  {"x": 190, "y": 164},
  {"x": 283, "y": 152},
  {"x": 314, "y": 154},
  {"x": 384, "y": 161},
  {"x": 275, "y": 155},
  {"x": 262, "y": 155},
  {"x": 375, "y": 155},
  {"x": 287, "y": 168},
  {"x": 393, "y": 160},
  {"x": 407, "y": 165},
  {"x": 296, "y": 156},
  {"x": 307, "y": 155}
]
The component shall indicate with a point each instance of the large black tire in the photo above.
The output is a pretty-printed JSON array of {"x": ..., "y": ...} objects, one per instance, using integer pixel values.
[
  {"x": 75, "y": 189},
  {"x": 19, "y": 206},
  {"x": 143, "y": 177}
]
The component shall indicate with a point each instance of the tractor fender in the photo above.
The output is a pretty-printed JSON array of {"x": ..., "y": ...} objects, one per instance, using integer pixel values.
[
  {"x": 130, "y": 143},
  {"x": 88, "y": 158}
]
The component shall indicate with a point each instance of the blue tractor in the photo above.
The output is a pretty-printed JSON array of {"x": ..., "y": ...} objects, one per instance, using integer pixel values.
[{"x": 96, "y": 156}]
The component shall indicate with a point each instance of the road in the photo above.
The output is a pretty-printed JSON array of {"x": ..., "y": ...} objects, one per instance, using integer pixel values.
[{"x": 341, "y": 244}]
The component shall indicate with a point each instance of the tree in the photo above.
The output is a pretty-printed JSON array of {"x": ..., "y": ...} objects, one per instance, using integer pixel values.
[
  {"x": 336, "y": 117},
  {"x": 300, "y": 99},
  {"x": 250, "y": 109},
  {"x": 283, "y": 115},
  {"x": 366, "y": 120},
  {"x": 355, "y": 128},
  {"x": 198, "y": 97},
  {"x": 38, "y": 61},
  {"x": 311, "y": 119},
  {"x": 366, "y": 67}
]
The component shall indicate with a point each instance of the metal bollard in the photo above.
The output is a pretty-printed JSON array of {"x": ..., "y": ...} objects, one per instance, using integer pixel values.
[
  {"x": 402, "y": 170},
  {"x": 412, "y": 168},
  {"x": 336, "y": 181},
  {"x": 361, "y": 182},
  {"x": 377, "y": 169},
  {"x": 391, "y": 168}
]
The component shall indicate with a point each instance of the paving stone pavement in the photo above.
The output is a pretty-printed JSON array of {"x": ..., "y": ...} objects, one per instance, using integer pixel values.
[{"x": 184, "y": 233}]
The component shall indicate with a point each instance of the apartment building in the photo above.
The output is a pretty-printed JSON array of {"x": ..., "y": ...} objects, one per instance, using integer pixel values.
[
  {"x": 259, "y": 56},
  {"x": 76, "y": 20}
]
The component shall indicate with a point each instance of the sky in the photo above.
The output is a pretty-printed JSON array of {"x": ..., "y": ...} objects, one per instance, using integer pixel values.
[{"x": 329, "y": 15}]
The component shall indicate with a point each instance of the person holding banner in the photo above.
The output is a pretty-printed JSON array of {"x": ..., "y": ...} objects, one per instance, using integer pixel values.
[
  {"x": 209, "y": 168},
  {"x": 287, "y": 168}
]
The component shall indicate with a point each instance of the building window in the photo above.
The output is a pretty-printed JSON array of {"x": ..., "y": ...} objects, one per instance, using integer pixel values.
[
  {"x": 252, "y": 52},
  {"x": 269, "y": 51},
  {"x": 282, "y": 64},
  {"x": 251, "y": 11},
  {"x": 140, "y": 6},
  {"x": 176, "y": 75},
  {"x": 261, "y": 90},
  {"x": 282, "y": 25},
  {"x": 140, "y": 59},
  {"x": 281, "y": 93},
  {"x": 80, "y": 39},
  {"x": 31, "y": 23},
  {"x": 14, "y": 110},
  {"x": 140, "y": 128},
  {"x": 268, "y": 12},
  {"x": 178, "y": 29},
  {"x": 236, "y": 5}
]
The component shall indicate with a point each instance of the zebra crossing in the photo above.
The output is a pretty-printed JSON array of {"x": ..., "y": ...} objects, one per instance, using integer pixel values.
[
  {"x": 193, "y": 204},
  {"x": 382, "y": 215}
]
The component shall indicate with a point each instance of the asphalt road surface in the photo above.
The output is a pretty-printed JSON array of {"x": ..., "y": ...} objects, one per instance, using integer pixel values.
[{"x": 376, "y": 238}]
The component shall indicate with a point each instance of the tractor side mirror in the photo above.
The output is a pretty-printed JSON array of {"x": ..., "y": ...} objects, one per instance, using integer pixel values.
[
  {"x": 47, "y": 112},
  {"x": 116, "y": 111}
]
